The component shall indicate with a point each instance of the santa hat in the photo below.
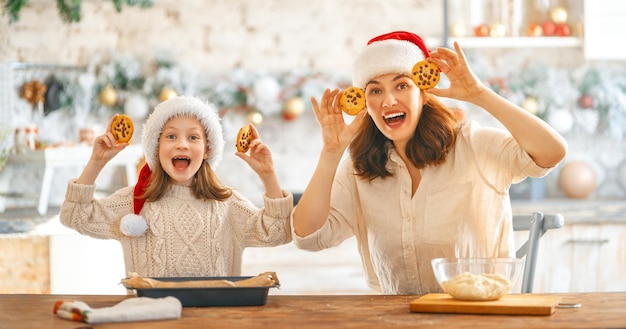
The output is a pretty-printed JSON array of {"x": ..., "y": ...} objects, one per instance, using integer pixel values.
[
  {"x": 133, "y": 224},
  {"x": 394, "y": 52}
]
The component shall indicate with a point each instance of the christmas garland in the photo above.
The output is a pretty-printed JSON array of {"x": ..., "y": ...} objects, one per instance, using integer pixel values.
[
  {"x": 4, "y": 149},
  {"x": 69, "y": 10}
]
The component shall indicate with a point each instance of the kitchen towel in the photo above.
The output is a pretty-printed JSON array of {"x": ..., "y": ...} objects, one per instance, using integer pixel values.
[{"x": 128, "y": 310}]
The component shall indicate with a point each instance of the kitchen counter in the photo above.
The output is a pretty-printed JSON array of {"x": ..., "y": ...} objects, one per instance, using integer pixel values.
[
  {"x": 51, "y": 159},
  {"x": 600, "y": 211},
  {"x": 588, "y": 253},
  {"x": 599, "y": 310}
]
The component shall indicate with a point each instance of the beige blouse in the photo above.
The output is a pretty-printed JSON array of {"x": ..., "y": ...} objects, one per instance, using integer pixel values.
[{"x": 461, "y": 208}]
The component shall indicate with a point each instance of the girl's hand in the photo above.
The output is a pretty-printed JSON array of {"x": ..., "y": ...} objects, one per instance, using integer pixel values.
[
  {"x": 105, "y": 147},
  {"x": 260, "y": 158},
  {"x": 336, "y": 134},
  {"x": 464, "y": 85}
]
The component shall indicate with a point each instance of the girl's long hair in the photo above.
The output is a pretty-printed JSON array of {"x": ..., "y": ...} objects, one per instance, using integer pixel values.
[
  {"x": 206, "y": 185},
  {"x": 433, "y": 139}
]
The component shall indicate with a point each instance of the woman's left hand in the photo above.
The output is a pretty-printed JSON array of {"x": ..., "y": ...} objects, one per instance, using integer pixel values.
[
  {"x": 260, "y": 158},
  {"x": 464, "y": 85}
]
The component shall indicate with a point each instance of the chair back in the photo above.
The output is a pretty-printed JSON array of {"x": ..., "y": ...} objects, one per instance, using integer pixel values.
[{"x": 537, "y": 224}]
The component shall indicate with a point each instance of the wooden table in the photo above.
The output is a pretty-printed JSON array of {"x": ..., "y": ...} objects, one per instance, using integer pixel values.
[{"x": 599, "y": 310}]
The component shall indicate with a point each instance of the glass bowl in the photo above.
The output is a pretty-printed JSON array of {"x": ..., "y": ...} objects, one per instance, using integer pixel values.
[{"x": 477, "y": 279}]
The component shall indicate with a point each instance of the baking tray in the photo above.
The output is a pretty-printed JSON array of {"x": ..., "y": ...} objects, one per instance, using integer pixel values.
[{"x": 212, "y": 296}]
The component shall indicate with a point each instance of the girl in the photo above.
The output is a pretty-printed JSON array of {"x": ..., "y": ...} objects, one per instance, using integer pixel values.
[
  {"x": 179, "y": 220},
  {"x": 418, "y": 184}
]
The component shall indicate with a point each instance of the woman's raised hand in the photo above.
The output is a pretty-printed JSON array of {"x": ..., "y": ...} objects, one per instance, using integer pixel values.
[
  {"x": 464, "y": 85},
  {"x": 336, "y": 133}
]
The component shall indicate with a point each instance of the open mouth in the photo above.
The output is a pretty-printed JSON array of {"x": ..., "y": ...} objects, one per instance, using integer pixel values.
[
  {"x": 181, "y": 162},
  {"x": 394, "y": 118}
]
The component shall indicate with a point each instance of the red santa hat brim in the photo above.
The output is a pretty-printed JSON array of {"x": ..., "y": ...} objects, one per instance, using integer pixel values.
[{"x": 134, "y": 224}]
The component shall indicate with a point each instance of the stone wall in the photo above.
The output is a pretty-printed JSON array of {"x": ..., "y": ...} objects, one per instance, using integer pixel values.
[
  {"x": 24, "y": 264},
  {"x": 218, "y": 34}
]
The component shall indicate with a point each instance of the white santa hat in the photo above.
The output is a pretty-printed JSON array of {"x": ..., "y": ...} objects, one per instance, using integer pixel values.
[
  {"x": 134, "y": 224},
  {"x": 394, "y": 52}
]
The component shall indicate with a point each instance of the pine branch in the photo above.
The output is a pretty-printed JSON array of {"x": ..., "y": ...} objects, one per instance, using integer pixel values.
[
  {"x": 70, "y": 13},
  {"x": 13, "y": 8},
  {"x": 69, "y": 10}
]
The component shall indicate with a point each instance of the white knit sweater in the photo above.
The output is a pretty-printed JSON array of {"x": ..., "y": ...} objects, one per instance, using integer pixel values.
[{"x": 186, "y": 237}]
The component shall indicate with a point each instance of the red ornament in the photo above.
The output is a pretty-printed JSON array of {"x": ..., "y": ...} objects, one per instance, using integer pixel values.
[
  {"x": 563, "y": 30},
  {"x": 585, "y": 101},
  {"x": 549, "y": 28},
  {"x": 289, "y": 116},
  {"x": 482, "y": 30}
]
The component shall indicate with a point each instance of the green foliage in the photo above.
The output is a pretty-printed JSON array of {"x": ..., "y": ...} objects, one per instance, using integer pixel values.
[
  {"x": 5, "y": 130},
  {"x": 69, "y": 10},
  {"x": 12, "y": 8}
]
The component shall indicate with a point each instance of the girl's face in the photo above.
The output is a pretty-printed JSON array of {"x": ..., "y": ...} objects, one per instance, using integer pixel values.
[
  {"x": 395, "y": 104},
  {"x": 182, "y": 148}
]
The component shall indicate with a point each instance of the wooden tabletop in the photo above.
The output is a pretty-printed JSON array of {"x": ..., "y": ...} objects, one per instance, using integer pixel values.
[{"x": 599, "y": 310}]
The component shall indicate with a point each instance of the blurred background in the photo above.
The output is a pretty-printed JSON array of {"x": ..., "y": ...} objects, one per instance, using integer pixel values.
[{"x": 64, "y": 71}]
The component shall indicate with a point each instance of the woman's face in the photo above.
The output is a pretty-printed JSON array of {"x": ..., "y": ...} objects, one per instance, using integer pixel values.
[
  {"x": 182, "y": 148},
  {"x": 395, "y": 104}
]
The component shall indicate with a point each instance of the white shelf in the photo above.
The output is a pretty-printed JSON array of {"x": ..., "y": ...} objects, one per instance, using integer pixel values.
[{"x": 517, "y": 42}]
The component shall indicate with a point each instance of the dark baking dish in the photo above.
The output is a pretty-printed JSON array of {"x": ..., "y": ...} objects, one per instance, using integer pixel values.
[{"x": 212, "y": 296}]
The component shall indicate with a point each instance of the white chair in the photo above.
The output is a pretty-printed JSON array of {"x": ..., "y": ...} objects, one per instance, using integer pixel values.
[{"x": 537, "y": 224}]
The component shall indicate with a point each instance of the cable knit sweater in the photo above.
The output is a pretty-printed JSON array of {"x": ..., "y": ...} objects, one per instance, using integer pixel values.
[{"x": 186, "y": 236}]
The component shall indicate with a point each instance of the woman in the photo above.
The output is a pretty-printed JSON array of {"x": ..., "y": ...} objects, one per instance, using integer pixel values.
[{"x": 418, "y": 184}]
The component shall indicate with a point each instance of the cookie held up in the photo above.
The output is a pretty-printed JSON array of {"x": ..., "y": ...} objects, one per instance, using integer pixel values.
[
  {"x": 122, "y": 128},
  {"x": 352, "y": 100},
  {"x": 425, "y": 74},
  {"x": 244, "y": 137}
]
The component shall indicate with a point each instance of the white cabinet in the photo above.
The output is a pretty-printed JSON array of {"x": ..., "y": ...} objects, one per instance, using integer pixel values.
[
  {"x": 588, "y": 253},
  {"x": 604, "y": 29},
  {"x": 80, "y": 264},
  {"x": 582, "y": 258},
  {"x": 53, "y": 259}
]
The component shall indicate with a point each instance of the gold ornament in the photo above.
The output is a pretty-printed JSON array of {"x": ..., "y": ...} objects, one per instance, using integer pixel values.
[
  {"x": 294, "y": 107},
  {"x": 255, "y": 117},
  {"x": 108, "y": 96},
  {"x": 458, "y": 30},
  {"x": 531, "y": 105},
  {"x": 497, "y": 30},
  {"x": 167, "y": 93},
  {"x": 558, "y": 15}
]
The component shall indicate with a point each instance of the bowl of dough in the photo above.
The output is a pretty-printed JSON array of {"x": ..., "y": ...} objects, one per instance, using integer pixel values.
[{"x": 477, "y": 279}]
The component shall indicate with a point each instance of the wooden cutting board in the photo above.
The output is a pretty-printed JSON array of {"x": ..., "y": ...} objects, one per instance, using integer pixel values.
[{"x": 522, "y": 304}]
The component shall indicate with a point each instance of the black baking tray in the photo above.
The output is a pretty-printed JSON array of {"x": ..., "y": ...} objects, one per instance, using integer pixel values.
[{"x": 213, "y": 296}]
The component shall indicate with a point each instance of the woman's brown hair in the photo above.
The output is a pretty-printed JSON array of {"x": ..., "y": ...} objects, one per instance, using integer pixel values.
[
  {"x": 206, "y": 185},
  {"x": 433, "y": 139}
]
